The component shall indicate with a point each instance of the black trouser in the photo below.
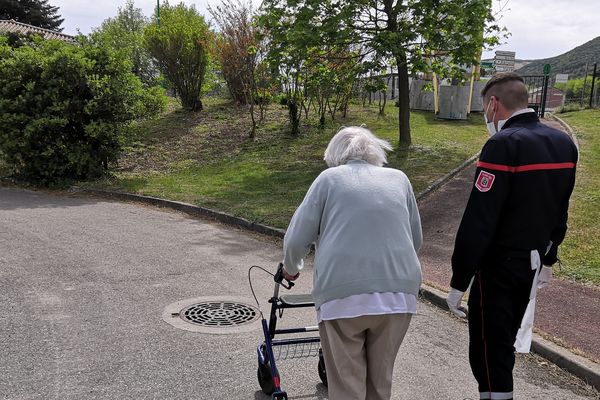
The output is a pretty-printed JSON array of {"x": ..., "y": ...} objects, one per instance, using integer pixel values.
[{"x": 497, "y": 303}]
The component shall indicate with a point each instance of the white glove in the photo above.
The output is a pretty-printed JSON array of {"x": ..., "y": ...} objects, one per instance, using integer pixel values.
[
  {"x": 454, "y": 301},
  {"x": 544, "y": 276}
]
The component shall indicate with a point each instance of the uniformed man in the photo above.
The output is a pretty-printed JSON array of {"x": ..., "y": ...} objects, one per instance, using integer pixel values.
[{"x": 515, "y": 219}]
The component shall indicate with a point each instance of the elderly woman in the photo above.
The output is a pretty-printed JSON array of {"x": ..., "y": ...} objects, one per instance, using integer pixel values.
[{"x": 365, "y": 222}]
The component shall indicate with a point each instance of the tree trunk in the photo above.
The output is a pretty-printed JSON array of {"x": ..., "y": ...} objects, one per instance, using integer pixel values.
[
  {"x": 253, "y": 129},
  {"x": 382, "y": 104},
  {"x": 403, "y": 103},
  {"x": 252, "y": 117}
]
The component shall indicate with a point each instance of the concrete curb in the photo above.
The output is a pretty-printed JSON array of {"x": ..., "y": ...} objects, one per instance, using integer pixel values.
[
  {"x": 577, "y": 365},
  {"x": 568, "y": 128},
  {"x": 231, "y": 219},
  {"x": 441, "y": 181},
  {"x": 186, "y": 208}
]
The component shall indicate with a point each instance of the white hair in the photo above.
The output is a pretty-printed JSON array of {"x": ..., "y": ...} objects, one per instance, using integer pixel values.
[{"x": 356, "y": 143}]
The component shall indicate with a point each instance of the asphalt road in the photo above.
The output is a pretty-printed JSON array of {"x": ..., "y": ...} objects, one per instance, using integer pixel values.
[{"x": 84, "y": 282}]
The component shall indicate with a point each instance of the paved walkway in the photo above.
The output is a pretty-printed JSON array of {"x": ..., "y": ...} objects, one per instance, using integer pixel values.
[
  {"x": 83, "y": 284},
  {"x": 567, "y": 311}
]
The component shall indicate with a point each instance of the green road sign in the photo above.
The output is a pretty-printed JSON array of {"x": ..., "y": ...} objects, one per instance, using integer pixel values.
[{"x": 546, "y": 69}]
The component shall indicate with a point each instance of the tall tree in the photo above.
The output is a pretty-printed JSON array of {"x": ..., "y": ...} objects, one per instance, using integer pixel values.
[
  {"x": 33, "y": 12},
  {"x": 126, "y": 32},
  {"x": 419, "y": 35},
  {"x": 180, "y": 46}
]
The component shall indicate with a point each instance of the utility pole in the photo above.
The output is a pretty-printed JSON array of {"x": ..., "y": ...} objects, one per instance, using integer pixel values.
[
  {"x": 584, "y": 83},
  {"x": 593, "y": 82},
  {"x": 158, "y": 13},
  {"x": 545, "y": 89}
]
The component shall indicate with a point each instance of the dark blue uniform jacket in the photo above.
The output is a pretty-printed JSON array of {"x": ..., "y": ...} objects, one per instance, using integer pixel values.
[{"x": 520, "y": 197}]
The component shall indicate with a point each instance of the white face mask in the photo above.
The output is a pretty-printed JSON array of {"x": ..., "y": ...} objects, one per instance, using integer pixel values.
[{"x": 491, "y": 127}]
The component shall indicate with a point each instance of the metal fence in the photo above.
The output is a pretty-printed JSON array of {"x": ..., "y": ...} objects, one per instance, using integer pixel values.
[
  {"x": 537, "y": 87},
  {"x": 581, "y": 91}
]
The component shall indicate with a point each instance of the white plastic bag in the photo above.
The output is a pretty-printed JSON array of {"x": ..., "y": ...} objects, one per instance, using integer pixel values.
[{"x": 525, "y": 333}]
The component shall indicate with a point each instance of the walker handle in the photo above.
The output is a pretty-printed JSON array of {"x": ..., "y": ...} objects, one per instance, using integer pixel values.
[{"x": 278, "y": 278}]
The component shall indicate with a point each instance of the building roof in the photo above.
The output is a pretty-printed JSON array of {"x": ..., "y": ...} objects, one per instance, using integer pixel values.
[{"x": 12, "y": 26}]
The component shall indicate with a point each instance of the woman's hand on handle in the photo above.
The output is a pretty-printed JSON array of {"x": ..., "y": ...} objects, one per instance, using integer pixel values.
[{"x": 290, "y": 277}]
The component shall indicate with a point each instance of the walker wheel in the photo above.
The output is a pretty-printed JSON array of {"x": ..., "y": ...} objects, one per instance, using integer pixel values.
[
  {"x": 321, "y": 369},
  {"x": 265, "y": 378}
]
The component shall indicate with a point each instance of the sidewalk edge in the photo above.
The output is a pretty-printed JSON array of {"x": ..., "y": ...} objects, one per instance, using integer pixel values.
[
  {"x": 186, "y": 208},
  {"x": 568, "y": 128},
  {"x": 231, "y": 219},
  {"x": 577, "y": 365},
  {"x": 441, "y": 181}
]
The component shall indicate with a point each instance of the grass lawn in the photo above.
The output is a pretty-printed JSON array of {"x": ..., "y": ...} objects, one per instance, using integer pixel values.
[
  {"x": 206, "y": 158},
  {"x": 580, "y": 253}
]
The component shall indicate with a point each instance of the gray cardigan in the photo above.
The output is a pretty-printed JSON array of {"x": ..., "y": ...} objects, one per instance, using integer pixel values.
[{"x": 366, "y": 225}]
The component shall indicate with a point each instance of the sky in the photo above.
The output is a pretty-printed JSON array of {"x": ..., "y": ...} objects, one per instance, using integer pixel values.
[{"x": 539, "y": 28}]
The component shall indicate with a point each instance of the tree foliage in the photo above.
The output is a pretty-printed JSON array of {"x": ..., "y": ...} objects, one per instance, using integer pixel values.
[
  {"x": 33, "y": 12},
  {"x": 64, "y": 108},
  {"x": 329, "y": 77},
  {"x": 181, "y": 46},
  {"x": 235, "y": 46},
  {"x": 125, "y": 32},
  {"x": 315, "y": 75},
  {"x": 416, "y": 35},
  {"x": 579, "y": 88}
]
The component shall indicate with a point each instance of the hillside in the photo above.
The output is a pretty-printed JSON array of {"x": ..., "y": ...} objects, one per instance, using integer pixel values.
[{"x": 571, "y": 62}]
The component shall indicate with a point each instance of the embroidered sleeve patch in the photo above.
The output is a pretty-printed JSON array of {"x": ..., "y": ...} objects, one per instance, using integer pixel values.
[{"x": 484, "y": 182}]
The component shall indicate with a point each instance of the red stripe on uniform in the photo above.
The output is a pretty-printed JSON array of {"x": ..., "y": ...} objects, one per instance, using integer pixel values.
[
  {"x": 539, "y": 167},
  {"x": 495, "y": 167},
  {"x": 525, "y": 168}
]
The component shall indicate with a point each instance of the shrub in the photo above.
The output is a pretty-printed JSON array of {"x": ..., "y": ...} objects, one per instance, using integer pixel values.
[
  {"x": 64, "y": 108},
  {"x": 125, "y": 32},
  {"x": 571, "y": 107},
  {"x": 180, "y": 46},
  {"x": 236, "y": 47}
]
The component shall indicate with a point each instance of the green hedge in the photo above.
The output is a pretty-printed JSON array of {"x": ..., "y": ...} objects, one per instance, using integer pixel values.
[{"x": 64, "y": 108}]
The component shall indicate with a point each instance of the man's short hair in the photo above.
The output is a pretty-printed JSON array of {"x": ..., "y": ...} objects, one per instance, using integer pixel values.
[{"x": 509, "y": 88}]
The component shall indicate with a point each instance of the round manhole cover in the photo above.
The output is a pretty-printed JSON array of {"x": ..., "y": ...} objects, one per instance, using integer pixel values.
[{"x": 218, "y": 315}]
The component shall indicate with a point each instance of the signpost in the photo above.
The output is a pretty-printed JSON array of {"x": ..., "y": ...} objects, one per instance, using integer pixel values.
[
  {"x": 504, "y": 61},
  {"x": 547, "y": 69},
  {"x": 561, "y": 78}
]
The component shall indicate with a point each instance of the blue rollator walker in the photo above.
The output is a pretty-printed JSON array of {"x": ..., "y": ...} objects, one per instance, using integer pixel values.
[{"x": 291, "y": 347}]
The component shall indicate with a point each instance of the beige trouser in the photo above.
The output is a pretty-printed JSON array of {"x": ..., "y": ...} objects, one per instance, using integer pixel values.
[{"x": 360, "y": 353}]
